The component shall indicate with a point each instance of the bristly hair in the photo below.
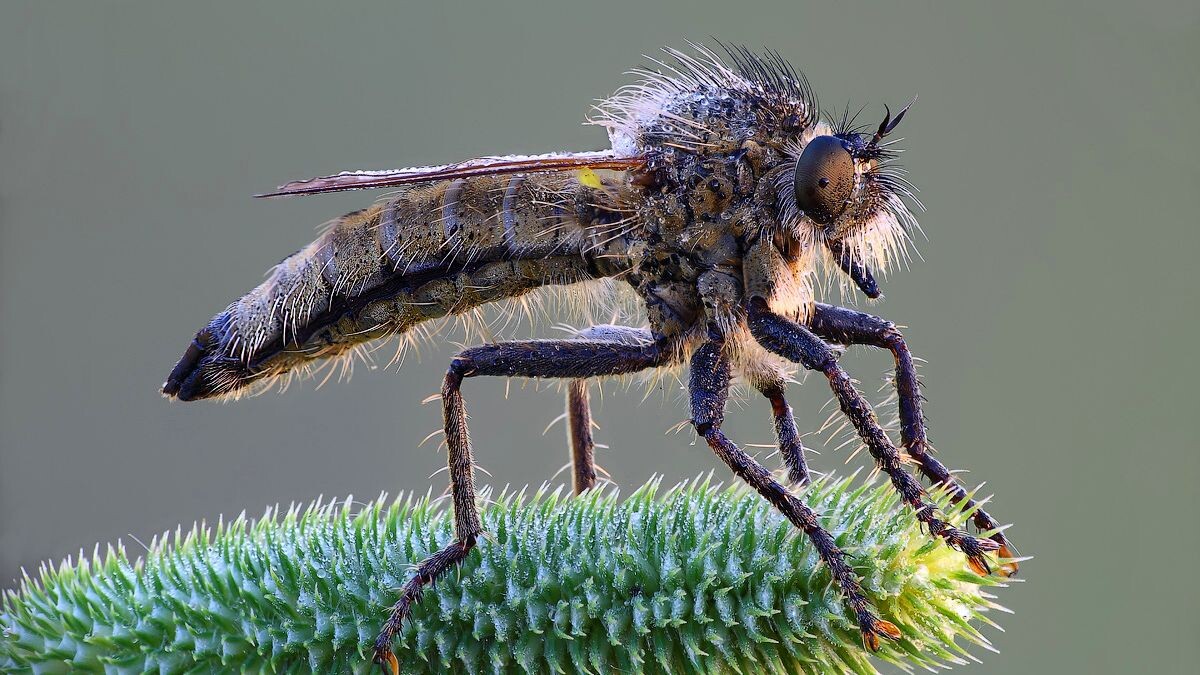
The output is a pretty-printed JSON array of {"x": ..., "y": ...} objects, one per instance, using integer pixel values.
[
  {"x": 847, "y": 123},
  {"x": 588, "y": 302},
  {"x": 776, "y": 76},
  {"x": 847, "y": 130},
  {"x": 785, "y": 93}
]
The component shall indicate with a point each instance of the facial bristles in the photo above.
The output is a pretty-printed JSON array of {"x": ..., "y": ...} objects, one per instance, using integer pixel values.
[{"x": 874, "y": 232}]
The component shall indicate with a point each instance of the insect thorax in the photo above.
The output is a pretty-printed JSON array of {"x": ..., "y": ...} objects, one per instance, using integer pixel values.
[{"x": 708, "y": 212}]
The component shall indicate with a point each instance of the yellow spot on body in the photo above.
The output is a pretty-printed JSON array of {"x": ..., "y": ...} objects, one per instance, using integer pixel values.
[{"x": 588, "y": 178}]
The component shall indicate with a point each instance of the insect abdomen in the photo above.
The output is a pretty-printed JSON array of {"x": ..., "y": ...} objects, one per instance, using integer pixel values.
[{"x": 428, "y": 252}]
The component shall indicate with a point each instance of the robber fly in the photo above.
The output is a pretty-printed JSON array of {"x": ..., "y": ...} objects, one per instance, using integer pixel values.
[{"x": 722, "y": 193}]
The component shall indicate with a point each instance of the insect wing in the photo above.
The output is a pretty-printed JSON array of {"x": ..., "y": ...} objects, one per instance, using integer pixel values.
[{"x": 483, "y": 166}]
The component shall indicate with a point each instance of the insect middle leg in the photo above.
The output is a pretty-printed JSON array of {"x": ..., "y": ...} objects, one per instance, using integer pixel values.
[
  {"x": 532, "y": 358},
  {"x": 582, "y": 444},
  {"x": 583, "y": 453},
  {"x": 709, "y": 391},
  {"x": 847, "y": 326},
  {"x": 798, "y": 344}
]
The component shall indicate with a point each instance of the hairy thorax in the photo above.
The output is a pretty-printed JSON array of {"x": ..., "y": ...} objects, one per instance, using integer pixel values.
[{"x": 702, "y": 250}]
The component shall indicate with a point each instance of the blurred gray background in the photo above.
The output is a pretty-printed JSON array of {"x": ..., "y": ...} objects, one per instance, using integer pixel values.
[{"x": 1055, "y": 147}]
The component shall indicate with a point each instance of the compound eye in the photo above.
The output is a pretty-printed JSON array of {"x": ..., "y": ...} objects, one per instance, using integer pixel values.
[{"x": 824, "y": 179}]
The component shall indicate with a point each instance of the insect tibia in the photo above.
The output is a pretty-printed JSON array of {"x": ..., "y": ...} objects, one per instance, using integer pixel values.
[{"x": 423, "y": 253}]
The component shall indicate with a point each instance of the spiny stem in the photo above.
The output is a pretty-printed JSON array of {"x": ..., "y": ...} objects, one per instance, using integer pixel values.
[{"x": 691, "y": 580}]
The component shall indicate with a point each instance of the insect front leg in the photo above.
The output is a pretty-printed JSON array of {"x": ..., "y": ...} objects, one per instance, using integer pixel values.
[
  {"x": 531, "y": 358},
  {"x": 850, "y": 327},
  {"x": 579, "y": 412},
  {"x": 709, "y": 391},
  {"x": 798, "y": 344}
]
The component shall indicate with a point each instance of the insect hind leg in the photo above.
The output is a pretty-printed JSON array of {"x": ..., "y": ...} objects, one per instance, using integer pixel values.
[
  {"x": 709, "y": 391},
  {"x": 575, "y": 359},
  {"x": 850, "y": 327}
]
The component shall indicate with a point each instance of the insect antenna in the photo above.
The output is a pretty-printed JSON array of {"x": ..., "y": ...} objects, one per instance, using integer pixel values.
[{"x": 888, "y": 125}]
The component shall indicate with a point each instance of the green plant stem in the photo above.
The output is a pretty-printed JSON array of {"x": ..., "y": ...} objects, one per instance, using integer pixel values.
[{"x": 691, "y": 580}]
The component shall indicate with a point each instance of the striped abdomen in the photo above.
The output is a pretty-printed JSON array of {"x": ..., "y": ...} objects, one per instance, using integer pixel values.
[{"x": 425, "y": 253}]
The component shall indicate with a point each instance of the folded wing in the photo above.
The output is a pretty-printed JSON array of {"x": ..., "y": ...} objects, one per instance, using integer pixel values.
[{"x": 509, "y": 164}]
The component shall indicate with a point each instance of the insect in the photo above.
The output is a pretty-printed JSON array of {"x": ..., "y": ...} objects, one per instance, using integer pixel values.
[{"x": 722, "y": 195}]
